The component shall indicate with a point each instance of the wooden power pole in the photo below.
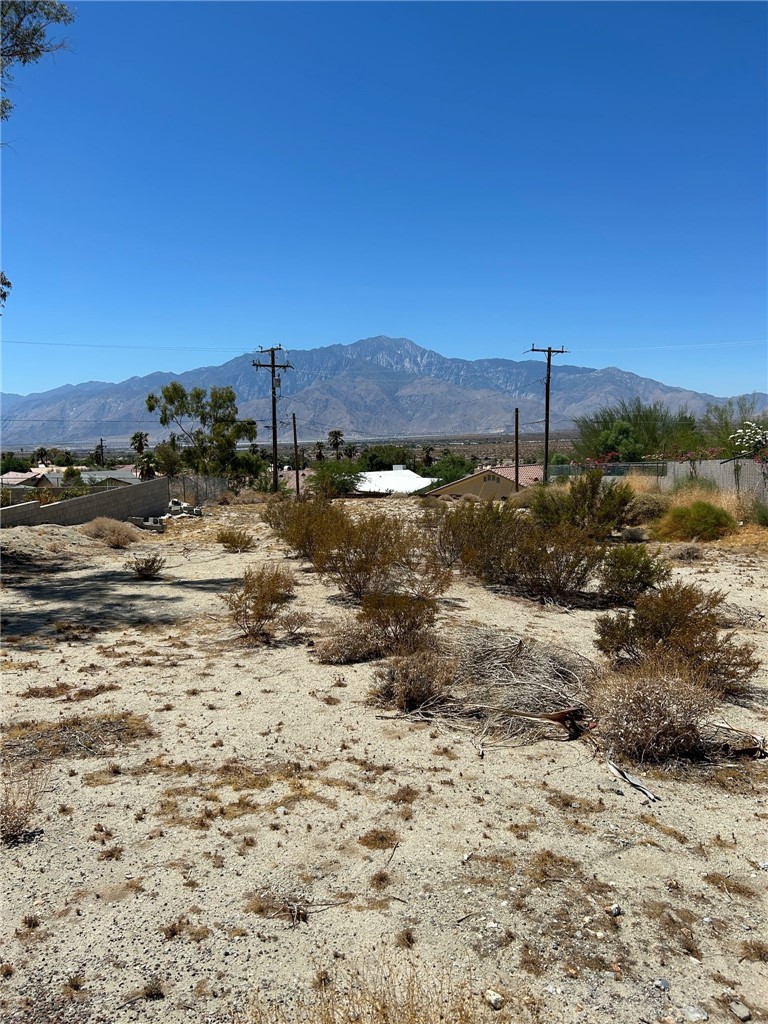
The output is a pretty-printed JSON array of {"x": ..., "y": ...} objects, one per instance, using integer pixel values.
[
  {"x": 272, "y": 366},
  {"x": 550, "y": 352}
]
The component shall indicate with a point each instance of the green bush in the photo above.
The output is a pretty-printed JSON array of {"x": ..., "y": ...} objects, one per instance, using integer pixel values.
[
  {"x": 699, "y": 521},
  {"x": 627, "y": 571},
  {"x": 590, "y": 503},
  {"x": 678, "y": 625},
  {"x": 486, "y": 532},
  {"x": 758, "y": 514}
]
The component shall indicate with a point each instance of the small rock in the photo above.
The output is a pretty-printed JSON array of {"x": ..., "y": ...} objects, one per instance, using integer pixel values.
[
  {"x": 494, "y": 999},
  {"x": 695, "y": 1013},
  {"x": 662, "y": 984},
  {"x": 739, "y": 1010},
  {"x": 614, "y": 910}
]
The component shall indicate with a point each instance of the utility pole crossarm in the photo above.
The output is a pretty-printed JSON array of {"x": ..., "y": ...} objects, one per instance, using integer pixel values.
[
  {"x": 272, "y": 366},
  {"x": 550, "y": 352}
]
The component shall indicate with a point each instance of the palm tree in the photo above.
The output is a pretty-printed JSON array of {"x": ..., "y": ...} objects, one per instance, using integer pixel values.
[
  {"x": 426, "y": 454},
  {"x": 335, "y": 439},
  {"x": 319, "y": 447},
  {"x": 139, "y": 442}
]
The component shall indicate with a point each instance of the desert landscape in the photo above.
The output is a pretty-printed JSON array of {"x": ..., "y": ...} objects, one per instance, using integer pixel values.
[{"x": 229, "y": 831}]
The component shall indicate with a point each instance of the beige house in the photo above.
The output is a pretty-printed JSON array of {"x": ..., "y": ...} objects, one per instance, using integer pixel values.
[{"x": 491, "y": 484}]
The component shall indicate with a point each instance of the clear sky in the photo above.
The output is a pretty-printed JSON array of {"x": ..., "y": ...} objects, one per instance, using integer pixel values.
[{"x": 192, "y": 180}]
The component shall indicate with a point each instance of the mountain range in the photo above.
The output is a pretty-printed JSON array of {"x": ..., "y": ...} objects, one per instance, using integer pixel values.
[{"x": 375, "y": 388}]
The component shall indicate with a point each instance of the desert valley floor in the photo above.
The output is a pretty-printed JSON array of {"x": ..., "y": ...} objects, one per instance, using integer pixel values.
[{"x": 222, "y": 821}]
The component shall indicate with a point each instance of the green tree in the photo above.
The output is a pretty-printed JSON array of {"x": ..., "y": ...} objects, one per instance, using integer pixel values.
[
  {"x": 427, "y": 451},
  {"x": 319, "y": 451},
  {"x": 335, "y": 441},
  {"x": 168, "y": 459},
  {"x": 5, "y": 287},
  {"x": 335, "y": 479},
  {"x": 450, "y": 467},
  {"x": 657, "y": 430},
  {"x": 24, "y": 37},
  {"x": 208, "y": 424},
  {"x": 10, "y": 462},
  {"x": 721, "y": 420}
]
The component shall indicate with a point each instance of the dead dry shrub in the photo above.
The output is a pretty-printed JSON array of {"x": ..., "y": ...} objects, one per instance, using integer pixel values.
[
  {"x": 377, "y": 553},
  {"x": 627, "y": 571},
  {"x": 21, "y": 788},
  {"x": 234, "y": 540},
  {"x": 384, "y": 996},
  {"x": 350, "y": 643},
  {"x": 679, "y": 623},
  {"x": 78, "y": 735},
  {"x": 646, "y": 507},
  {"x": 499, "y": 677},
  {"x": 415, "y": 682},
  {"x": 114, "y": 533},
  {"x": 146, "y": 567},
  {"x": 652, "y": 713},
  {"x": 256, "y": 601},
  {"x": 642, "y": 483},
  {"x": 402, "y": 621}
]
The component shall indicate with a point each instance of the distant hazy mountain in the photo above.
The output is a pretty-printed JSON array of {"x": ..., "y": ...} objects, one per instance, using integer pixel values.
[{"x": 377, "y": 387}]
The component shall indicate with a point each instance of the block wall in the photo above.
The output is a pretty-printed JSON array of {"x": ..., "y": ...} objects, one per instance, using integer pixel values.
[{"x": 143, "y": 499}]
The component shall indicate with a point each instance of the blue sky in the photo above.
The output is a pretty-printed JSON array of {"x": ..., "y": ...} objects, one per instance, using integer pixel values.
[{"x": 192, "y": 180}]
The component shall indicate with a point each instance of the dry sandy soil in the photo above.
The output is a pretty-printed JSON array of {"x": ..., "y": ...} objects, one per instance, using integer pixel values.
[{"x": 258, "y": 825}]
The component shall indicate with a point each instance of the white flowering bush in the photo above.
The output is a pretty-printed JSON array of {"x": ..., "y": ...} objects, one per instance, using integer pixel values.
[{"x": 751, "y": 441}]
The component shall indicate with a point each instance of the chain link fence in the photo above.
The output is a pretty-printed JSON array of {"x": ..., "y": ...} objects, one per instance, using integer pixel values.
[{"x": 741, "y": 475}]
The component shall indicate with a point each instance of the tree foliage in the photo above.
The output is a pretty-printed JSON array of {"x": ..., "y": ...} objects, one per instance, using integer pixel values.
[
  {"x": 640, "y": 429},
  {"x": 25, "y": 40},
  {"x": 209, "y": 430}
]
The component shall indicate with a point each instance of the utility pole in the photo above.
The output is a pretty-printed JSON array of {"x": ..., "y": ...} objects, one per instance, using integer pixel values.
[
  {"x": 517, "y": 450},
  {"x": 272, "y": 366},
  {"x": 550, "y": 351},
  {"x": 296, "y": 456}
]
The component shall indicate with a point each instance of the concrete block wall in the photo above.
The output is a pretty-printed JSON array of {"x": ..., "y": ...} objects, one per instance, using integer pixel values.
[{"x": 143, "y": 499}]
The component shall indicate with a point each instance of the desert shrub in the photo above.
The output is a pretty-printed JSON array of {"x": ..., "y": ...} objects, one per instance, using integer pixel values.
[
  {"x": 626, "y": 571},
  {"x": 376, "y": 553},
  {"x": 488, "y": 533},
  {"x": 351, "y": 643},
  {"x": 114, "y": 533},
  {"x": 758, "y": 513},
  {"x": 310, "y": 526},
  {"x": 552, "y": 563},
  {"x": 146, "y": 567},
  {"x": 645, "y": 507},
  {"x": 402, "y": 620},
  {"x": 699, "y": 521},
  {"x": 653, "y": 713},
  {"x": 235, "y": 540},
  {"x": 413, "y": 682},
  {"x": 255, "y": 602},
  {"x": 590, "y": 503},
  {"x": 679, "y": 624},
  {"x": 20, "y": 792}
]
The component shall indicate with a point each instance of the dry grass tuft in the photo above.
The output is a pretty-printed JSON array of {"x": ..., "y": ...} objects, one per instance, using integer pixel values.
[
  {"x": 21, "y": 788},
  {"x": 379, "y": 839},
  {"x": 80, "y": 735},
  {"x": 351, "y": 643},
  {"x": 383, "y": 997}
]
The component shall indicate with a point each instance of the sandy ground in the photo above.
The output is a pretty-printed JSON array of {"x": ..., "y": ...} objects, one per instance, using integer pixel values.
[{"x": 274, "y": 825}]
